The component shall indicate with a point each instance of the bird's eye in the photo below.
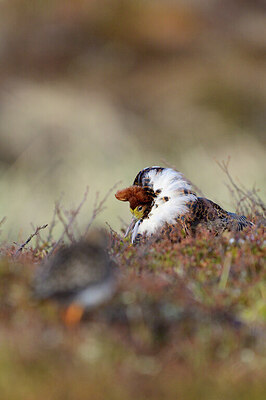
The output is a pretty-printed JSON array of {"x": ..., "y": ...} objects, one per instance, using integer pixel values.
[{"x": 139, "y": 208}]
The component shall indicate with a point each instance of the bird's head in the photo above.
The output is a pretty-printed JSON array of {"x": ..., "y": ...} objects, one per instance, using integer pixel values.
[
  {"x": 140, "y": 211},
  {"x": 158, "y": 196},
  {"x": 140, "y": 200}
]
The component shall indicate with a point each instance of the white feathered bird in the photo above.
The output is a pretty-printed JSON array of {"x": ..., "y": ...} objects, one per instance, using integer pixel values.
[{"x": 161, "y": 196}]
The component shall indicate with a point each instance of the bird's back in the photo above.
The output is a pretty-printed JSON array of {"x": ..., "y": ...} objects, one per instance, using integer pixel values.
[{"x": 206, "y": 211}]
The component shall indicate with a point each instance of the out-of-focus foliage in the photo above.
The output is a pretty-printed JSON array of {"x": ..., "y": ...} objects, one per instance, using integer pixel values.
[
  {"x": 93, "y": 91},
  {"x": 188, "y": 320}
]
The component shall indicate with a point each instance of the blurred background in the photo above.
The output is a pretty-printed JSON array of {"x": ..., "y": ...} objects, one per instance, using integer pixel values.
[{"x": 93, "y": 91}]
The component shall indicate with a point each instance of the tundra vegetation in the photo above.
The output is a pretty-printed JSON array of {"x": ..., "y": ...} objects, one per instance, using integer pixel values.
[{"x": 187, "y": 320}]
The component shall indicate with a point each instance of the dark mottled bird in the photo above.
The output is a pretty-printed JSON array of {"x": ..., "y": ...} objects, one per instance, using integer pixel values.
[
  {"x": 161, "y": 196},
  {"x": 80, "y": 275}
]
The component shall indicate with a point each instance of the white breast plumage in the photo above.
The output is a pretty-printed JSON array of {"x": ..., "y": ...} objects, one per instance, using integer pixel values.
[
  {"x": 172, "y": 193},
  {"x": 162, "y": 196}
]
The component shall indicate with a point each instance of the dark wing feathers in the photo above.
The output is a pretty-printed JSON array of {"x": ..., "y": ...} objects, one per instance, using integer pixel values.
[{"x": 206, "y": 211}]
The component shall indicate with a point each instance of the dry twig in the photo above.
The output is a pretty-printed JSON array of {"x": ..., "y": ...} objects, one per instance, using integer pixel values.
[
  {"x": 74, "y": 215},
  {"x": 38, "y": 238},
  {"x": 98, "y": 206},
  {"x": 75, "y": 228},
  {"x": 66, "y": 225},
  {"x": 21, "y": 247},
  {"x": 241, "y": 194},
  {"x": 3, "y": 220},
  {"x": 52, "y": 225}
]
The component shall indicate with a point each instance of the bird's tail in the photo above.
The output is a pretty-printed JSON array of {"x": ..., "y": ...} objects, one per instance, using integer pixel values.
[{"x": 238, "y": 222}]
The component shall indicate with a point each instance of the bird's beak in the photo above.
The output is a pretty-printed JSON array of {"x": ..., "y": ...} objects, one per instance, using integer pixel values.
[{"x": 131, "y": 226}]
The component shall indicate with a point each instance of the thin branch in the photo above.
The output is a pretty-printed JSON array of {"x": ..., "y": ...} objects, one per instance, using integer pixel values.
[
  {"x": 75, "y": 228},
  {"x": 3, "y": 220},
  {"x": 65, "y": 225},
  {"x": 75, "y": 213},
  {"x": 38, "y": 237},
  {"x": 242, "y": 193},
  {"x": 112, "y": 231},
  {"x": 29, "y": 238},
  {"x": 98, "y": 207},
  {"x": 123, "y": 222},
  {"x": 52, "y": 225},
  {"x": 253, "y": 196}
]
